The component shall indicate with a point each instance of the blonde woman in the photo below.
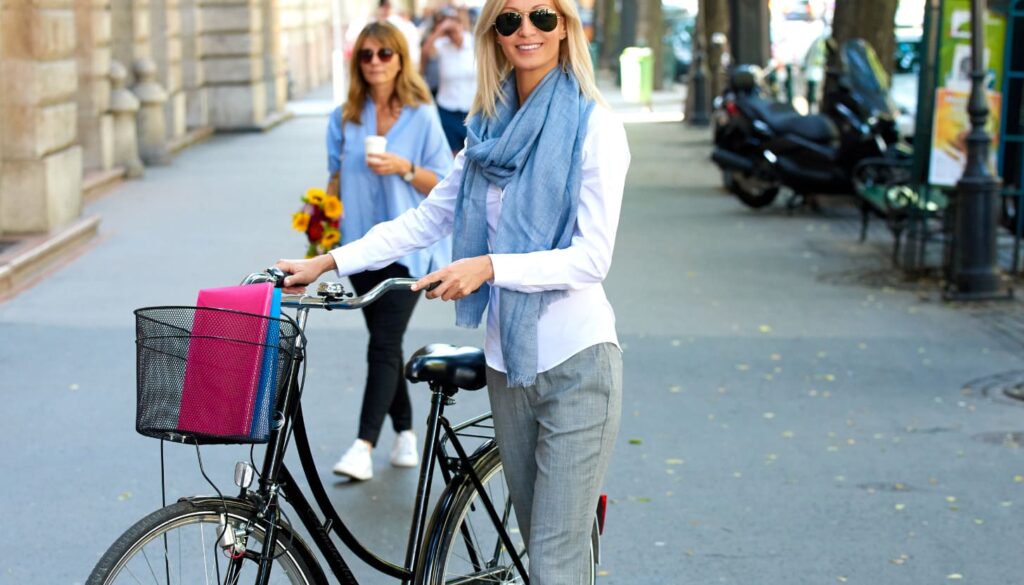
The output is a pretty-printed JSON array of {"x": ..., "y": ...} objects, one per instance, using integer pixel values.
[
  {"x": 386, "y": 98},
  {"x": 533, "y": 205}
]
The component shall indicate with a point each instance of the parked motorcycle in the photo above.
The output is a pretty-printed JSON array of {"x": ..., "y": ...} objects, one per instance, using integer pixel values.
[{"x": 762, "y": 145}]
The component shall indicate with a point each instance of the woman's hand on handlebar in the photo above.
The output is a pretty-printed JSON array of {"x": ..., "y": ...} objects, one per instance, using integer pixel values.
[
  {"x": 457, "y": 280},
  {"x": 302, "y": 272}
]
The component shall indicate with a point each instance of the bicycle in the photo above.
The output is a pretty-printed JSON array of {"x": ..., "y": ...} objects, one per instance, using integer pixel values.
[{"x": 468, "y": 538}]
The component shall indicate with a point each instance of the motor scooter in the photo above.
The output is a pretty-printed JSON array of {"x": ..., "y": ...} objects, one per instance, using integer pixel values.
[{"x": 762, "y": 145}]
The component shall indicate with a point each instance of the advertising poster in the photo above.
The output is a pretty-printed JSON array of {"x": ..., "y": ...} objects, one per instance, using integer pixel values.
[
  {"x": 955, "y": 48},
  {"x": 949, "y": 135},
  {"x": 952, "y": 123}
]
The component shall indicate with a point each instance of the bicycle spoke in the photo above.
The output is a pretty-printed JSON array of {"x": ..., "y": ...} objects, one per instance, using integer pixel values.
[
  {"x": 150, "y": 565},
  {"x": 134, "y": 577},
  {"x": 176, "y": 537},
  {"x": 206, "y": 575}
]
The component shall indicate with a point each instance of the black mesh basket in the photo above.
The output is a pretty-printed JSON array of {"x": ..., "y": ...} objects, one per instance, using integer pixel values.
[{"x": 210, "y": 375}]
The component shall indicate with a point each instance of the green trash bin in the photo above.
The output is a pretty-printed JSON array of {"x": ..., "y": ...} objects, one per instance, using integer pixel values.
[{"x": 636, "y": 67}]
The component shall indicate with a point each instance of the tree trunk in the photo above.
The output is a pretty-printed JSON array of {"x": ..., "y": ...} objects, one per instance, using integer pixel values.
[
  {"x": 716, "y": 21},
  {"x": 873, "y": 21}
]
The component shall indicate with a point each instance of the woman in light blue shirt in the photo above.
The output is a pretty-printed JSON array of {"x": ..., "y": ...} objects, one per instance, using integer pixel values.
[{"x": 386, "y": 98}]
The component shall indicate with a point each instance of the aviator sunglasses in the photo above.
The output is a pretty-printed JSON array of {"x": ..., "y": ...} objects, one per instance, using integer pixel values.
[
  {"x": 384, "y": 54},
  {"x": 544, "y": 19}
]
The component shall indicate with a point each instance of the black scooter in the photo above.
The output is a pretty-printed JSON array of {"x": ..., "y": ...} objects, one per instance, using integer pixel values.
[{"x": 762, "y": 145}]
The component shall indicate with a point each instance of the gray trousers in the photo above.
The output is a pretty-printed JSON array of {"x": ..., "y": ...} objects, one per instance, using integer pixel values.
[{"x": 555, "y": 439}]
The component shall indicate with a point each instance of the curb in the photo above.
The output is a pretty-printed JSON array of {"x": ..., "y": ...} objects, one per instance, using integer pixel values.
[{"x": 38, "y": 256}]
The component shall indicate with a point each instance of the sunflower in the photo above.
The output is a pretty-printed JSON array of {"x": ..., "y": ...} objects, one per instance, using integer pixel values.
[
  {"x": 333, "y": 207},
  {"x": 330, "y": 239},
  {"x": 315, "y": 196},
  {"x": 300, "y": 221}
]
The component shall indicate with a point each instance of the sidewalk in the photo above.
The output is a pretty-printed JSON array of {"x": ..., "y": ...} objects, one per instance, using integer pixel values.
[{"x": 792, "y": 413}]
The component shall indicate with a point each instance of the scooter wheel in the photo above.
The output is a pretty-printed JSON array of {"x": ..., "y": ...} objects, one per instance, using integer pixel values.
[{"x": 753, "y": 191}]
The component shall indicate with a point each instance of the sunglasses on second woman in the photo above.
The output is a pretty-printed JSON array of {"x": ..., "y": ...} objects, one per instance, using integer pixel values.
[
  {"x": 544, "y": 19},
  {"x": 384, "y": 54}
]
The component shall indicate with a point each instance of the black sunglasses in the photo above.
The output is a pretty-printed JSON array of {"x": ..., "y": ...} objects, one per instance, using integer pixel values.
[
  {"x": 508, "y": 23},
  {"x": 384, "y": 54}
]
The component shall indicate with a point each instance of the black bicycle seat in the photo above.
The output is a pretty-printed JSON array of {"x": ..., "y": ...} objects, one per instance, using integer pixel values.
[{"x": 440, "y": 363}]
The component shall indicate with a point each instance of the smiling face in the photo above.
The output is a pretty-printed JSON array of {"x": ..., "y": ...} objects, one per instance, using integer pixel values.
[
  {"x": 378, "y": 73},
  {"x": 530, "y": 49}
]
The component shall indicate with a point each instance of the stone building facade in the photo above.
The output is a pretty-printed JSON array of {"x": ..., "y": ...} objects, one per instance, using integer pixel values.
[{"x": 93, "y": 90}]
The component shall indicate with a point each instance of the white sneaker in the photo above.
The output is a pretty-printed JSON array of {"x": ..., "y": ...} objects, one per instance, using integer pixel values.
[
  {"x": 356, "y": 462},
  {"x": 405, "y": 453}
]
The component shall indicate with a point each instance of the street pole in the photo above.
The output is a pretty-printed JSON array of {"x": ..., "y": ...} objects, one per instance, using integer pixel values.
[
  {"x": 975, "y": 261},
  {"x": 699, "y": 115}
]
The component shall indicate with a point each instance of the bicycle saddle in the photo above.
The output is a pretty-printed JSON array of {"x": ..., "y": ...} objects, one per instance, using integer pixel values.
[{"x": 440, "y": 363}]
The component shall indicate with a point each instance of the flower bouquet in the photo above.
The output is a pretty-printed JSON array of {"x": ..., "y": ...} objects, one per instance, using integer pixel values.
[{"x": 319, "y": 218}]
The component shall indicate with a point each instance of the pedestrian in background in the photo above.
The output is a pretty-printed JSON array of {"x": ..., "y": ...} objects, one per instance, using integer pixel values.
[
  {"x": 428, "y": 62},
  {"x": 533, "y": 204},
  {"x": 452, "y": 46},
  {"x": 387, "y": 100},
  {"x": 387, "y": 13}
]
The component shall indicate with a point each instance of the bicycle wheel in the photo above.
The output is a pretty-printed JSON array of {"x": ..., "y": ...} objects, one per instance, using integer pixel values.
[
  {"x": 467, "y": 549},
  {"x": 178, "y": 544}
]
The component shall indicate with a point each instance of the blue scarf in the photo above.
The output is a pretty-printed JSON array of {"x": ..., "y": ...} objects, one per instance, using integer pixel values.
[{"x": 534, "y": 153}]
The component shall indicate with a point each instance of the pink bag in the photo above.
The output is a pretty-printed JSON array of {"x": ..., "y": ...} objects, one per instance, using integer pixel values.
[{"x": 226, "y": 360}]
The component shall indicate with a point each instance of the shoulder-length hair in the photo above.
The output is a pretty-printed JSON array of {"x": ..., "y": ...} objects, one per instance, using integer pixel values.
[
  {"x": 410, "y": 89},
  {"x": 493, "y": 67}
]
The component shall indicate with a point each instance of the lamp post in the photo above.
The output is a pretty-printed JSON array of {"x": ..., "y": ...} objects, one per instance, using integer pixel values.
[
  {"x": 975, "y": 274},
  {"x": 699, "y": 115}
]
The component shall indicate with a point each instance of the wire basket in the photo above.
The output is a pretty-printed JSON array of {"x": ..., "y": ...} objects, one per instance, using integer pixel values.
[{"x": 208, "y": 375}]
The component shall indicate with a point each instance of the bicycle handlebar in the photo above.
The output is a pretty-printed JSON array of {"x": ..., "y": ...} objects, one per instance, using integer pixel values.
[
  {"x": 330, "y": 295},
  {"x": 353, "y": 302}
]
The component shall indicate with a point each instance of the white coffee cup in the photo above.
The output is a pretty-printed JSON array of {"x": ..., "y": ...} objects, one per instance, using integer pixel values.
[{"x": 375, "y": 145}]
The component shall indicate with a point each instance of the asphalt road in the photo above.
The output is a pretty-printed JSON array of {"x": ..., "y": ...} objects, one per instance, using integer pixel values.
[{"x": 794, "y": 413}]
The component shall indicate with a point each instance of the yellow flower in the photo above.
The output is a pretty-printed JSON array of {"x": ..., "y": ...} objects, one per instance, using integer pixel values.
[
  {"x": 300, "y": 221},
  {"x": 315, "y": 196},
  {"x": 330, "y": 239},
  {"x": 332, "y": 207}
]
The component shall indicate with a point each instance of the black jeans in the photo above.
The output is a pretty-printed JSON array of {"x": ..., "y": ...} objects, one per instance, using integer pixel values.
[{"x": 386, "y": 391}]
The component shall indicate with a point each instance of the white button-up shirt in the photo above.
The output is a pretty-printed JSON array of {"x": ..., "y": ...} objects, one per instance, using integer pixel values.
[{"x": 580, "y": 319}]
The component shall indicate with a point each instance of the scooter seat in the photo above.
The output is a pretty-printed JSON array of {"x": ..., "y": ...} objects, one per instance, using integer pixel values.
[
  {"x": 447, "y": 365},
  {"x": 785, "y": 120},
  {"x": 815, "y": 128}
]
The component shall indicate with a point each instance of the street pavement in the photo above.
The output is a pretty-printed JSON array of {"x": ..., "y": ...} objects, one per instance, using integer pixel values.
[{"x": 794, "y": 412}]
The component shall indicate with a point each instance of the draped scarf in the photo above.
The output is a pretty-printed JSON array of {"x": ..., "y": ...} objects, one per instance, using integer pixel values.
[{"x": 534, "y": 153}]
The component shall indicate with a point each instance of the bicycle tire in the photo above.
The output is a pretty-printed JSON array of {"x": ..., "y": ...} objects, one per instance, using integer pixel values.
[
  {"x": 140, "y": 555},
  {"x": 443, "y": 560}
]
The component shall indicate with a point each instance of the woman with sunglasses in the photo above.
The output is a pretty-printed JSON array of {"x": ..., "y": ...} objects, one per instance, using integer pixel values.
[
  {"x": 386, "y": 98},
  {"x": 533, "y": 205}
]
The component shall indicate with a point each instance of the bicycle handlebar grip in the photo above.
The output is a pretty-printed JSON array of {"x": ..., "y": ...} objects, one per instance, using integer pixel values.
[{"x": 278, "y": 275}]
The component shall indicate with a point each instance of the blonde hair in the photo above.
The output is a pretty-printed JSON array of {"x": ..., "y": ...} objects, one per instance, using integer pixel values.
[
  {"x": 493, "y": 67},
  {"x": 410, "y": 89}
]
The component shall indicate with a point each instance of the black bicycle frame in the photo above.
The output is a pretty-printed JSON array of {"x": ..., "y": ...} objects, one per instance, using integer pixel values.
[{"x": 277, "y": 480}]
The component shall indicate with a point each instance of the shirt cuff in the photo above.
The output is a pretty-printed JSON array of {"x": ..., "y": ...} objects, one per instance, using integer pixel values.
[
  {"x": 509, "y": 270},
  {"x": 346, "y": 259}
]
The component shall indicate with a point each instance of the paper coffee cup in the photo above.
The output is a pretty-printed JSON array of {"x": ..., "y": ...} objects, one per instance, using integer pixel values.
[{"x": 376, "y": 145}]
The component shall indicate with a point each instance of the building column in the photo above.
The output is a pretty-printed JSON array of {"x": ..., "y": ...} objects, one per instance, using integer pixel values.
[
  {"x": 292, "y": 46},
  {"x": 165, "y": 44},
  {"x": 232, "y": 61},
  {"x": 95, "y": 124},
  {"x": 42, "y": 162},
  {"x": 197, "y": 113},
  {"x": 273, "y": 60}
]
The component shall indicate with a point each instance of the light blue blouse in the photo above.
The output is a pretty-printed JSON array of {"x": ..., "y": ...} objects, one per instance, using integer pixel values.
[{"x": 371, "y": 199}]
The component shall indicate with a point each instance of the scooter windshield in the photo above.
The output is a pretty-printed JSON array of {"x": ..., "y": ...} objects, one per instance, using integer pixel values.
[{"x": 867, "y": 78}]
